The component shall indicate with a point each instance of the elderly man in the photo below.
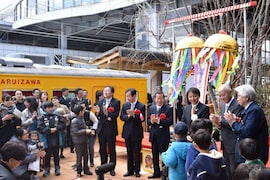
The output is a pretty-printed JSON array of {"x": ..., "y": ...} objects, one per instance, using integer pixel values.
[
  {"x": 228, "y": 103},
  {"x": 252, "y": 124}
]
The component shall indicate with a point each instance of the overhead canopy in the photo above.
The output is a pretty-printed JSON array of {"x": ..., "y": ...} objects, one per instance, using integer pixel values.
[{"x": 121, "y": 58}]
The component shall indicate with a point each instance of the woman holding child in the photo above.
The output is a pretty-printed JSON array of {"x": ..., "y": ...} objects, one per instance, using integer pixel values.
[{"x": 21, "y": 172}]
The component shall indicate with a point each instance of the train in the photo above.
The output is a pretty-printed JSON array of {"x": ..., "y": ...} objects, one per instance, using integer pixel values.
[{"x": 53, "y": 78}]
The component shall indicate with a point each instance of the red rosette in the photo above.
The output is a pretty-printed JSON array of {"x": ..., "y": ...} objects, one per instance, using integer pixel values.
[
  {"x": 111, "y": 109},
  {"x": 238, "y": 119},
  {"x": 162, "y": 116},
  {"x": 137, "y": 111}
]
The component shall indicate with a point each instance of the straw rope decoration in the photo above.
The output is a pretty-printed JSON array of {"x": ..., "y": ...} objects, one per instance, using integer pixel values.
[
  {"x": 221, "y": 52},
  {"x": 183, "y": 65},
  {"x": 192, "y": 55}
]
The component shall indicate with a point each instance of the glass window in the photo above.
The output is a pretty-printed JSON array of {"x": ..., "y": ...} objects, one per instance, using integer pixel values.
[
  {"x": 42, "y": 6},
  {"x": 58, "y": 4},
  {"x": 77, "y": 2},
  {"x": 18, "y": 12},
  {"x": 51, "y": 7},
  {"x": 24, "y": 8},
  {"x": 68, "y": 3},
  {"x": 12, "y": 92},
  {"x": 55, "y": 4},
  {"x": 58, "y": 93},
  {"x": 266, "y": 52},
  {"x": 99, "y": 96},
  {"x": 32, "y": 8},
  {"x": 86, "y": 2}
]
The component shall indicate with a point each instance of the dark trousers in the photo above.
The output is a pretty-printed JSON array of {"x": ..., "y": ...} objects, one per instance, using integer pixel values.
[
  {"x": 81, "y": 152},
  {"x": 91, "y": 144},
  {"x": 105, "y": 140},
  {"x": 230, "y": 161},
  {"x": 156, "y": 151},
  {"x": 134, "y": 155},
  {"x": 52, "y": 151},
  {"x": 69, "y": 139}
]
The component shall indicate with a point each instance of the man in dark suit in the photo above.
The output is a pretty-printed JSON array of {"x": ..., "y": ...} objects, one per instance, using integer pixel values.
[
  {"x": 133, "y": 113},
  {"x": 78, "y": 99},
  {"x": 107, "y": 112},
  {"x": 88, "y": 101},
  {"x": 252, "y": 124},
  {"x": 228, "y": 103},
  {"x": 159, "y": 120},
  {"x": 64, "y": 99},
  {"x": 195, "y": 110}
]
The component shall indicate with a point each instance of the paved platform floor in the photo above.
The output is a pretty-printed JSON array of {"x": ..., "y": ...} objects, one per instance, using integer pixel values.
[{"x": 67, "y": 173}]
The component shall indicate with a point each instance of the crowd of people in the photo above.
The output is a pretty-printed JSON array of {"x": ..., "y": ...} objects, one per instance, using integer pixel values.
[{"x": 39, "y": 128}]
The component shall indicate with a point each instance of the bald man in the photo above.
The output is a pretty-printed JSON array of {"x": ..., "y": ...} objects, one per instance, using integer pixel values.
[{"x": 228, "y": 103}]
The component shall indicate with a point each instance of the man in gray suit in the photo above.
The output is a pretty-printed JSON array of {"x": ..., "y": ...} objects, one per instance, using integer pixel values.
[{"x": 228, "y": 103}]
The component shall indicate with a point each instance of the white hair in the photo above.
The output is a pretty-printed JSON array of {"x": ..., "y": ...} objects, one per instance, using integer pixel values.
[
  {"x": 225, "y": 87},
  {"x": 246, "y": 90}
]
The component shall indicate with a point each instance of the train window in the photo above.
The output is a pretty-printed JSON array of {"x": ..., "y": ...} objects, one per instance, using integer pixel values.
[
  {"x": 58, "y": 93},
  {"x": 12, "y": 92},
  {"x": 99, "y": 95}
]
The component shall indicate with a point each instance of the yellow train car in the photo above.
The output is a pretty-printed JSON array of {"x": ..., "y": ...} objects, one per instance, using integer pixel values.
[{"x": 53, "y": 79}]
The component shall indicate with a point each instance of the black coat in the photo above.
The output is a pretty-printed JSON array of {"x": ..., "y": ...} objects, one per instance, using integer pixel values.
[
  {"x": 108, "y": 124},
  {"x": 132, "y": 127},
  {"x": 161, "y": 130},
  {"x": 229, "y": 136},
  {"x": 46, "y": 122},
  {"x": 64, "y": 101},
  {"x": 201, "y": 110},
  {"x": 75, "y": 101}
]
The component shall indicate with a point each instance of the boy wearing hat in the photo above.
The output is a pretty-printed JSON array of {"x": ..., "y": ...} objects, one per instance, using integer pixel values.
[{"x": 175, "y": 157}]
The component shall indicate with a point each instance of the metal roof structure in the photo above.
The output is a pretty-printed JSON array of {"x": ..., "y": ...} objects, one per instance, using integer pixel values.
[{"x": 121, "y": 58}]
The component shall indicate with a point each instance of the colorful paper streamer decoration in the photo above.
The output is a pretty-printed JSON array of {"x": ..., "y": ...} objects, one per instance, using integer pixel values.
[
  {"x": 220, "y": 52},
  {"x": 183, "y": 65}
]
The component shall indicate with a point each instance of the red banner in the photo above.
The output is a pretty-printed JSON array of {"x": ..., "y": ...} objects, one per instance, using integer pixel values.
[{"x": 212, "y": 13}]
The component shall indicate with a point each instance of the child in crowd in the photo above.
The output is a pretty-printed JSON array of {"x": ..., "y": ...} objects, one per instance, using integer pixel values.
[
  {"x": 80, "y": 132},
  {"x": 194, "y": 127},
  {"x": 50, "y": 127},
  {"x": 33, "y": 146},
  {"x": 250, "y": 150},
  {"x": 247, "y": 171},
  {"x": 175, "y": 157},
  {"x": 264, "y": 174},
  {"x": 91, "y": 122},
  {"x": 209, "y": 164}
]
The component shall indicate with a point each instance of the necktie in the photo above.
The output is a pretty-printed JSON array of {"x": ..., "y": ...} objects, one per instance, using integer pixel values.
[
  {"x": 226, "y": 107},
  {"x": 132, "y": 106},
  {"x": 194, "y": 116},
  {"x": 107, "y": 103},
  {"x": 192, "y": 109},
  {"x": 158, "y": 108}
]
